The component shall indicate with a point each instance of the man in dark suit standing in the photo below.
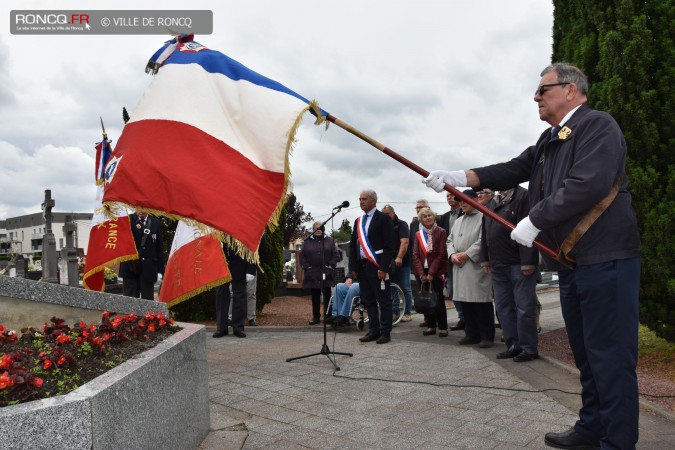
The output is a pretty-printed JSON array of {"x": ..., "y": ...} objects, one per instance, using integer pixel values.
[
  {"x": 239, "y": 267},
  {"x": 371, "y": 249},
  {"x": 140, "y": 275}
]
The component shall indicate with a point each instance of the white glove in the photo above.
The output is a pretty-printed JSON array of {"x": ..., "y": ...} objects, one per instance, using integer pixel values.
[
  {"x": 437, "y": 179},
  {"x": 525, "y": 232},
  {"x": 249, "y": 277},
  {"x": 159, "y": 277}
]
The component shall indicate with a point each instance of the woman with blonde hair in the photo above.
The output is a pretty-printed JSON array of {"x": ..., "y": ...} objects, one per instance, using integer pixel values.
[{"x": 430, "y": 261}]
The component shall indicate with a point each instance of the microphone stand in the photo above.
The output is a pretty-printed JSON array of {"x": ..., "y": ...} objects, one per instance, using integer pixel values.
[{"x": 324, "y": 348}]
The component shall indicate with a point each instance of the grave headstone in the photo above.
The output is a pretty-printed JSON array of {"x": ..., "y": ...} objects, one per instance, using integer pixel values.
[
  {"x": 68, "y": 261},
  {"x": 21, "y": 266},
  {"x": 49, "y": 258}
]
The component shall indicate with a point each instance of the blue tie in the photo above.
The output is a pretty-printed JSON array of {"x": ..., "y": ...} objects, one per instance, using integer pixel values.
[
  {"x": 365, "y": 223},
  {"x": 554, "y": 131}
]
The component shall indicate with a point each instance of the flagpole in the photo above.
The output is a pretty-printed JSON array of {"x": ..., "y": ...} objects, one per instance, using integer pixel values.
[{"x": 457, "y": 193}]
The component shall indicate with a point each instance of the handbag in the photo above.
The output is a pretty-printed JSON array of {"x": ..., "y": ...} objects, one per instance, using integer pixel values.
[{"x": 426, "y": 301}]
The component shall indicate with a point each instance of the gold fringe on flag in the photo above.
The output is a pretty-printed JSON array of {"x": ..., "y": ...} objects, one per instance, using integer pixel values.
[
  {"x": 198, "y": 291},
  {"x": 239, "y": 248}
]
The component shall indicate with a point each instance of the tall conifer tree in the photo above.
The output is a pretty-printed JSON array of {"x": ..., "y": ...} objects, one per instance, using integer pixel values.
[{"x": 626, "y": 49}]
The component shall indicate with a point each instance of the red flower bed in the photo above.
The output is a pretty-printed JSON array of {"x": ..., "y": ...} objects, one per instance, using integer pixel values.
[{"x": 59, "y": 359}]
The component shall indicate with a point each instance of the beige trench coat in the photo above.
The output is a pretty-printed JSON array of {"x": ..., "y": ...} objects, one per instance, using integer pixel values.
[{"x": 469, "y": 283}]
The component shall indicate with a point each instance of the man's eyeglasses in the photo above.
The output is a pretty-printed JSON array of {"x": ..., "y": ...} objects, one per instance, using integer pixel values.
[{"x": 542, "y": 89}]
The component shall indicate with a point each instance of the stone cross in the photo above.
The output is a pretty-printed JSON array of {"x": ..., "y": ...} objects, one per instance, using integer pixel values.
[
  {"x": 49, "y": 259},
  {"x": 47, "y": 206}
]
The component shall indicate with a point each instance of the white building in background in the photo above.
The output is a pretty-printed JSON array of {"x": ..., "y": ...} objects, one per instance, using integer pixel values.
[{"x": 23, "y": 234}]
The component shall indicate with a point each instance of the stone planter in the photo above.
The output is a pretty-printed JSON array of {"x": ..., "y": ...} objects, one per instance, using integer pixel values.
[
  {"x": 156, "y": 400},
  {"x": 159, "y": 399}
]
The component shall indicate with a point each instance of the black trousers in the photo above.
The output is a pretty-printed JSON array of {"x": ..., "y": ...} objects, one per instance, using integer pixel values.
[
  {"x": 376, "y": 299},
  {"x": 316, "y": 301},
  {"x": 439, "y": 318},
  {"x": 479, "y": 319},
  {"x": 238, "y": 298},
  {"x": 136, "y": 286}
]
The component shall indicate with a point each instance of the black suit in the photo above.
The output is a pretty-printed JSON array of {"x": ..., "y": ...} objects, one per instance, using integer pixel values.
[
  {"x": 139, "y": 276},
  {"x": 380, "y": 231}
]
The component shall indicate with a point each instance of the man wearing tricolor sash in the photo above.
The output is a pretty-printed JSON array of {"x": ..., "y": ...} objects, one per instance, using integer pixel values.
[{"x": 370, "y": 255}]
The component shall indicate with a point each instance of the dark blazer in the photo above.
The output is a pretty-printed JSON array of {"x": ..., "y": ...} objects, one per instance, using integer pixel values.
[
  {"x": 496, "y": 245},
  {"x": 448, "y": 219},
  {"x": 150, "y": 251},
  {"x": 381, "y": 236},
  {"x": 239, "y": 266}
]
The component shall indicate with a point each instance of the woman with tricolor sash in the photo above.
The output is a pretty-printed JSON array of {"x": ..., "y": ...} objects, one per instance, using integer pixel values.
[{"x": 430, "y": 261}]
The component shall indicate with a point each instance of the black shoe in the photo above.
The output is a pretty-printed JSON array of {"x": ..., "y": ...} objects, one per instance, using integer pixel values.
[
  {"x": 239, "y": 333},
  {"x": 383, "y": 339},
  {"x": 314, "y": 321},
  {"x": 459, "y": 326},
  {"x": 466, "y": 340},
  {"x": 219, "y": 334},
  {"x": 330, "y": 320},
  {"x": 429, "y": 332},
  {"x": 341, "y": 321},
  {"x": 509, "y": 353},
  {"x": 524, "y": 357},
  {"x": 251, "y": 323},
  {"x": 369, "y": 337},
  {"x": 570, "y": 439},
  {"x": 423, "y": 324}
]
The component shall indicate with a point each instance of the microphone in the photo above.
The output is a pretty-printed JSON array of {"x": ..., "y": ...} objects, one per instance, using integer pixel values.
[{"x": 344, "y": 204}]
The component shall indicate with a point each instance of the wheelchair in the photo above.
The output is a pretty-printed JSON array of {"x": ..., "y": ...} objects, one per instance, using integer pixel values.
[{"x": 359, "y": 315}]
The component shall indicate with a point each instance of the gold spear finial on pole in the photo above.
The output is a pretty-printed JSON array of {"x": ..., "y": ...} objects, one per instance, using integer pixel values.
[{"x": 105, "y": 135}]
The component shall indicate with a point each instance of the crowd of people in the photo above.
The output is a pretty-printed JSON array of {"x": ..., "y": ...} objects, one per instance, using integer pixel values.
[
  {"x": 579, "y": 205},
  {"x": 454, "y": 255}
]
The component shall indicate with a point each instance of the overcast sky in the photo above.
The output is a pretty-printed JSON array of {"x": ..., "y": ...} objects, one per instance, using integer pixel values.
[{"x": 448, "y": 84}]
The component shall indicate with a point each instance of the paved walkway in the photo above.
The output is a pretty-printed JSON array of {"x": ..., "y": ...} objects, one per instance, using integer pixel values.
[{"x": 430, "y": 393}]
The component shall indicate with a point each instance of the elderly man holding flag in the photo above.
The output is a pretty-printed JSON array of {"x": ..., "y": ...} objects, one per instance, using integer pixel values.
[{"x": 580, "y": 202}]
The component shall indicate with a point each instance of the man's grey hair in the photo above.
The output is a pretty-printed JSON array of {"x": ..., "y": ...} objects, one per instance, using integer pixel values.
[
  {"x": 423, "y": 201},
  {"x": 568, "y": 73},
  {"x": 388, "y": 207},
  {"x": 370, "y": 193}
]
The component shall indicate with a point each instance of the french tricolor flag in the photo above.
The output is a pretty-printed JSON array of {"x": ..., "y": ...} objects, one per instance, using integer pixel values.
[
  {"x": 196, "y": 264},
  {"x": 209, "y": 142}
]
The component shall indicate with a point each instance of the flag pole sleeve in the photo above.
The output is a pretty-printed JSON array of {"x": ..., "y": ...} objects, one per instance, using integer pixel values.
[{"x": 457, "y": 193}]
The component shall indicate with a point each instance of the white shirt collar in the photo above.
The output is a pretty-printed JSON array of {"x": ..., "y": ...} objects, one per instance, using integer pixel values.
[{"x": 568, "y": 115}]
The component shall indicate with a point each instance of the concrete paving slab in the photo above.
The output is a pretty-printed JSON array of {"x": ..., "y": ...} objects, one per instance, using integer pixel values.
[{"x": 421, "y": 392}]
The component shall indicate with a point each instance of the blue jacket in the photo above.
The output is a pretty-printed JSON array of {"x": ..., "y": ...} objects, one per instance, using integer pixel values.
[{"x": 568, "y": 175}]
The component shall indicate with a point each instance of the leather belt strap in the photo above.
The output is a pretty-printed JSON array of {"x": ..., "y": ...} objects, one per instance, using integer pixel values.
[{"x": 585, "y": 223}]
